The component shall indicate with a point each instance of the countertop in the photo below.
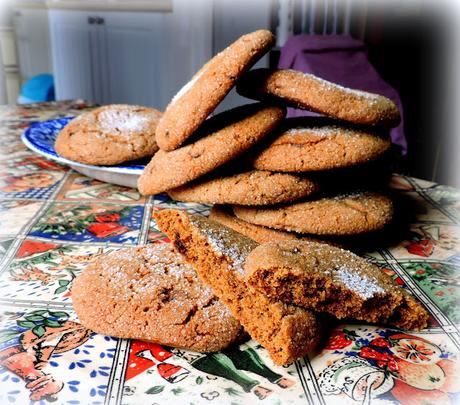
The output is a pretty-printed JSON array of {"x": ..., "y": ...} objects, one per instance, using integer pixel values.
[{"x": 46, "y": 235}]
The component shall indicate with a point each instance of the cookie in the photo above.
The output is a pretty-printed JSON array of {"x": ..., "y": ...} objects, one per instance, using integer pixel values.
[
  {"x": 306, "y": 91},
  {"x": 149, "y": 293},
  {"x": 328, "y": 279},
  {"x": 199, "y": 97},
  {"x": 110, "y": 135},
  {"x": 220, "y": 139},
  {"x": 301, "y": 147},
  {"x": 345, "y": 214},
  {"x": 261, "y": 234},
  {"x": 218, "y": 254},
  {"x": 255, "y": 187}
]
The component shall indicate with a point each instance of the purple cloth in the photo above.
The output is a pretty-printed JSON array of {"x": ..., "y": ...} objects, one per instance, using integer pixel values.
[{"x": 343, "y": 60}]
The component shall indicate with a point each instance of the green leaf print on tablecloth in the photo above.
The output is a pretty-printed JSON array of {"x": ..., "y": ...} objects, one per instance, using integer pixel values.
[{"x": 441, "y": 282}]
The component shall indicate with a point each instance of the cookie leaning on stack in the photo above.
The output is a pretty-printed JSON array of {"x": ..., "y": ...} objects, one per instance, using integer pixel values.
[
  {"x": 198, "y": 98},
  {"x": 308, "y": 92}
]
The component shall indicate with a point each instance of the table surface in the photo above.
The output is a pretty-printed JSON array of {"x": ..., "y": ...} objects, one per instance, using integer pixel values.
[{"x": 52, "y": 220}]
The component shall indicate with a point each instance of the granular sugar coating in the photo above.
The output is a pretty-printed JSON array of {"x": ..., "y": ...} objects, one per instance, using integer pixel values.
[
  {"x": 306, "y": 91},
  {"x": 110, "y": 135},
  {"x": 218, "y": 255},
  {"x": 361, "y": 285},
  {"x": 150, "y": 293},
  {"x": 329, "y": 279}
]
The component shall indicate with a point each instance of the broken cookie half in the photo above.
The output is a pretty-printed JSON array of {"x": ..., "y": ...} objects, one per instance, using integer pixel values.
[{"x": 328, "y": 279}]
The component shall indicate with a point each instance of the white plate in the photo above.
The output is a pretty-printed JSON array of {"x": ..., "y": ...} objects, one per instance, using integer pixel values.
[{"x": 40, "y": 138}]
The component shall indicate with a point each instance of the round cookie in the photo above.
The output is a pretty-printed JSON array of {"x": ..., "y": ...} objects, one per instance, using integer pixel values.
[
  {"x": 304, "y": 148},
  {"x": 150, "y": 293},
  {"x": 306, "y": 91},
  {"x": 222, "y": 138},
  {"x": 110, "y": 135},
  {"x": 258, "y": 233},
  {"x": 255, "y": 187},
  {"x": 348, "y": 214},
  {"x": 201, "y": 95},
  {"x": 262, "y": 234}
]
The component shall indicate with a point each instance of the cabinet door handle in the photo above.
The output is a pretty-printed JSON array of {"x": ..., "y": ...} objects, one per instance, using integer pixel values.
[
  {"x": 91, "y": 20},
  {"x": 100, "y": 20}
]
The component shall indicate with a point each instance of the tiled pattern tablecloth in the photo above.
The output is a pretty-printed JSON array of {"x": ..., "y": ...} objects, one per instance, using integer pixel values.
[{"x": 52, "y": 220}]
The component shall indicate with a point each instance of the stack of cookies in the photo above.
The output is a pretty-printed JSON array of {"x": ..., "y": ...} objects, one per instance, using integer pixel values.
[
  {"x": 215, "y": 282},
  {"x": 271, "y": 177}
]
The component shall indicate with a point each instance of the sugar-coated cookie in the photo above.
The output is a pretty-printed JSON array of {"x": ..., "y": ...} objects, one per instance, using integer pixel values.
[
  {"x": 255, "y": 187},
  {"x": 309, "y": 92},
  {"x": 150, "y": 293},
  {"x": 201, "y": 95},
  {"x": 308, "y": 145},
  {"x": 110, "y": 135},
  {"x": 344, "y": 214},
  {"x": 220, "y": 139},
  {"x": 218, "y": 254},
  {"x": 328, "y": 279},
  {"x": 261, "y": 234}
]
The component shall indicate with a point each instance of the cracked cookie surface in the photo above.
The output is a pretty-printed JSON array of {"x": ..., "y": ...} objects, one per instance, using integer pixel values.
[
  {"x": 110, "y": 135},
  {"x": 345, "y": 214},
  {"x": 220, "y": 139},
  {"x": 150, "y": 293}
]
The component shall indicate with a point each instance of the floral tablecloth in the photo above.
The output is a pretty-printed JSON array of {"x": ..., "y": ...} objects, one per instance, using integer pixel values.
[{"x": 53, "y": 220}]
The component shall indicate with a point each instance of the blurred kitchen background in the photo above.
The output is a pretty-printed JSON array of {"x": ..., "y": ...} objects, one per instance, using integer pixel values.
[{"x": 142, "y": 52}]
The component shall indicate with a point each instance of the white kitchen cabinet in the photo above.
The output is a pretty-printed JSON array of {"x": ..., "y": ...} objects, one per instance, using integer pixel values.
[
  {"x": 126, "y": 57},
  {"x": 32, "y": 41},
  {"x": 108, "y": 57},
  {"x": 74, "y": 59}
]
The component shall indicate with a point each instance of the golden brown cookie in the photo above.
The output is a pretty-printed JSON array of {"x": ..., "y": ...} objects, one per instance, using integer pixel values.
[
  {"x": 261, "y": 234},
  {"x": 311, "y": 148},
  {"x": 199, "y": 97},
  {"x": 312, "y": 93},
  {"x": 255, "y": 187},
  {"x": 218, "y": 254},
  {"x": 221, "y": 138},
  {"x": 328, "y": 279},
  {"x": 345, "y": 214},
  {"x": 150, "y": 293},
  {"x": 110, "y": 135}
]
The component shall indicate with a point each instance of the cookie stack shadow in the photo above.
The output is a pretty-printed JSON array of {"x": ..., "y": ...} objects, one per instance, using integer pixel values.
[{"x": 271, "y": 178}]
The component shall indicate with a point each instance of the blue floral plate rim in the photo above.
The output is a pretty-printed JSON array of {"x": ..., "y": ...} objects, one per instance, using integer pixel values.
[{"x": 40, "y": 136}]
